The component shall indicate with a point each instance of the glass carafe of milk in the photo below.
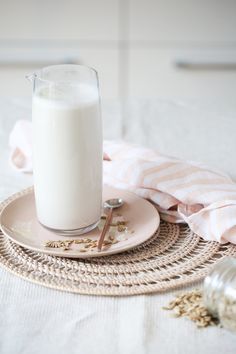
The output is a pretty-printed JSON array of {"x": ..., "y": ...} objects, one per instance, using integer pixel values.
[{"x": 67, "y": 148}]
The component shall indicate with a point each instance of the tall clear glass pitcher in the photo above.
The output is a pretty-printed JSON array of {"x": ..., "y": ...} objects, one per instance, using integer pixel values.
[{"x": 67, "y": 148}]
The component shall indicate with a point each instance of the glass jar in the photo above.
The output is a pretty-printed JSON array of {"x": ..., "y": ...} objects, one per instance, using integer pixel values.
[{"x": 220, "y": 292}]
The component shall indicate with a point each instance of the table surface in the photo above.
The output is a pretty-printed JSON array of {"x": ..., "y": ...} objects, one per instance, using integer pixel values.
[{"x": 34, "y": 319}]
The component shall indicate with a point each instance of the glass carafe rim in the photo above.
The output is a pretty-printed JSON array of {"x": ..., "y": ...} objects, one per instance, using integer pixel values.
[{"x": 38, "y": 74}]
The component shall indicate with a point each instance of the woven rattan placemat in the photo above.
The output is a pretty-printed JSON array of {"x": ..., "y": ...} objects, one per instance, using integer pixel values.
[{"x": 173, "y": 257}]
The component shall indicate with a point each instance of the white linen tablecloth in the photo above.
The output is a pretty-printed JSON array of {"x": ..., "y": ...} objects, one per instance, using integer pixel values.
[{"x": 35, "y": 320}]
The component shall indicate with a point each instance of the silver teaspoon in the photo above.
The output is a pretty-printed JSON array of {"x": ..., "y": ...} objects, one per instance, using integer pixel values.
[{"x": 110, "y": 204}]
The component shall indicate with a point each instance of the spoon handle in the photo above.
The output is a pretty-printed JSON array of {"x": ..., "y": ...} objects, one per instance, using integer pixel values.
[{"x": 105, "y": 229}]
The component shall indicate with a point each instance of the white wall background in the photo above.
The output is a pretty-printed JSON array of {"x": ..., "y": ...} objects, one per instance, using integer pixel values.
[{"x": 141, "y": 48}]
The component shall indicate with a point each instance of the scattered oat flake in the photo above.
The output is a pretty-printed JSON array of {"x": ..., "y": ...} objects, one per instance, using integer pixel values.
[
  {"x": 190, "y": 305},
  {"x": 121, "y": 228},
  {"x": 118, "y": 225}
]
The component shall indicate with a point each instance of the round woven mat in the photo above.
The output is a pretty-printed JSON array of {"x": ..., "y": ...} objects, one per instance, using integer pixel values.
[{"x": 173, "y": 257}]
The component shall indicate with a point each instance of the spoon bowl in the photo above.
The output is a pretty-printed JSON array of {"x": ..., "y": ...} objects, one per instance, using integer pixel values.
[{"x": 113, "y": 203}]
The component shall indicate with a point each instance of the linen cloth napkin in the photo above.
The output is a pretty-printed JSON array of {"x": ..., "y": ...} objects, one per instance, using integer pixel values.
[{"x": 182, "y": 191}]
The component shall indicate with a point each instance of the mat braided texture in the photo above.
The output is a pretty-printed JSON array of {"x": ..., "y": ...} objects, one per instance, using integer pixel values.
[{"x": 173, "y": 257}]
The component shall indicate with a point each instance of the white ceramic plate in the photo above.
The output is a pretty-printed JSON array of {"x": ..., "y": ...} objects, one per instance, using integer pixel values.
[{"x": 18, "y": 221}]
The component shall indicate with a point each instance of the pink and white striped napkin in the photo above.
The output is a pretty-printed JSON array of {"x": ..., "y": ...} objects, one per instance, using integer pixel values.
[{"x": 183, "y": 191}]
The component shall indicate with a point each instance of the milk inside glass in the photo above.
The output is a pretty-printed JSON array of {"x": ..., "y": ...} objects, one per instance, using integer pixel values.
[{"x": 67, "y": 158}]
